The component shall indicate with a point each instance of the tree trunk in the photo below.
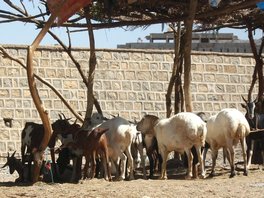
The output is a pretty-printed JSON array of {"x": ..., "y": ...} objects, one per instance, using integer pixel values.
[
  {"x": 38, "y": 152},
  {"x": 258, "y": 70},
  {"x": 255, "y": 54},
  {"x": 188, "y": 22},
  {"x": 177, "y": 34},
  {"x": 179, "y": 99},
  {"x": 92, "y": 64}
]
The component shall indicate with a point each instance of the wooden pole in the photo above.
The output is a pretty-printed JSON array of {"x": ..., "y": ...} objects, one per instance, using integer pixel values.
[
  {"x": 39, "y": 152},
  {"x": 188, "y": 22}
]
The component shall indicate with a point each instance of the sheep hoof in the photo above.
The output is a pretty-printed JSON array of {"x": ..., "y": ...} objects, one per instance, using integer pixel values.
[
  {"x": 188, "y": 177},
  {"x": 40, "y": 178},
  {"x": 131, "y": 178},
  {"x": 151, "y": 177},
  {"x": 202, "y": 177},
  {"x": 212, "y": 174},
  {"x": 108, "y": 178},
  {"x": 120, "y": 179},
  {"x": 232, "y": 174},
  {"x": 245, "y": 173},
  {"x": 18, "y": 180},
  {"x": 163, "y": 178}
]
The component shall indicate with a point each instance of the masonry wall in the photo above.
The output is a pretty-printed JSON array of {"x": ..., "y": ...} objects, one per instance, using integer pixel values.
[{"x": 127, "y": 82}]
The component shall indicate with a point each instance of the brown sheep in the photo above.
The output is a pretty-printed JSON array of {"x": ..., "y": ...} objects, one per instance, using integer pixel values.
[{"x": 91, "y": 144}]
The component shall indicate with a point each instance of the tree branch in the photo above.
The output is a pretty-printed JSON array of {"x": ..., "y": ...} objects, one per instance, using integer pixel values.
[
  {"x": 161, "y": 19},
  {"x": 6, "y": 54}
]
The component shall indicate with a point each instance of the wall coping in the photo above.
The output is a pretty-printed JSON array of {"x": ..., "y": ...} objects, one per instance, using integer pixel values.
[{"x": 155, "y": 51}]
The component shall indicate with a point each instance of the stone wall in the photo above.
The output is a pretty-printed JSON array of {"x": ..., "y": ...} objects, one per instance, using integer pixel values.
[{"x": 127, "y": 82}]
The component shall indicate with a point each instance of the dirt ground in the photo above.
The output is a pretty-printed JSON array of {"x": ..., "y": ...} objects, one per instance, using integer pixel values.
[{"x": 175, "y": 186}]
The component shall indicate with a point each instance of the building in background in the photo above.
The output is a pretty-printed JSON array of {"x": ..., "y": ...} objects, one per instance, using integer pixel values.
[{"x": 214, "y": 42}]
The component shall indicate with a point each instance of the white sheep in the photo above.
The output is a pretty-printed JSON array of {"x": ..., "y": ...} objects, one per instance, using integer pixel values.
[
  {"x": 121, "y": 135},
  {"x": 178, "y": 133},
  {"x": 226, "y": 129}
]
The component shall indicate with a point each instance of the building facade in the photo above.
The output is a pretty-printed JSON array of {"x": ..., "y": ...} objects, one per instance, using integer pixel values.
[{"x": 211, "y": 42}]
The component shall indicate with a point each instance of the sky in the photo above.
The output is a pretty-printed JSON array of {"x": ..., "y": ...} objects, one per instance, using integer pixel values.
[{"x": 23, "y": 33}]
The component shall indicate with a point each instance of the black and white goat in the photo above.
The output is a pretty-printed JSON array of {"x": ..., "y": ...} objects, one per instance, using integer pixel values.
[
  {"x": 255, "y": 140},
  {"x": 31, "y": 138}
]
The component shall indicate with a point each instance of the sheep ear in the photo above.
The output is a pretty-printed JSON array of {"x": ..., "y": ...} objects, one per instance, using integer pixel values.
[
  {"x": 5, "y": 164},
  {"x": 244, "y": 106}
]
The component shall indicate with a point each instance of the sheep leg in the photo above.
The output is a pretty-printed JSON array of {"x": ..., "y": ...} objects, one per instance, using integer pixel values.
[
  {"x": 29, "y": 168},
  {"x": 85, "y": 168},
  {"x": 201, "y": 161},
  {"x": 159, "y": 161},
  {"x": 142, "y": 158},
  {"x": 98, "y": 168},
  {"x": 107, "y": 166},
  {"x": 250, "y": 153},
  {"x": 151, "y": 165},
  {"x": 77, "y": 165},
  {"x": 52, "y": 153},
  {"x": 214, "y": 154},
  {"x": 117, "y": 167},
  {"x": 106, "y": 163},
  {"x": 123, "y": 159},
  {"x": 204, "y": 153},
  {"x": 243, "y": 145},
  {"x": 74, "y": 170},
  {"x": 232, "y": 164},
  {"x": 262, "y": 155},
  {"x": 189, "y": 154},
  {"x": 227, "y": 154},
  {"x": 164, "y": 154},
  {"x": 93, "y": 164},
  {"x": 130, "y": 162},
  {"x": 23, "y": 149}
]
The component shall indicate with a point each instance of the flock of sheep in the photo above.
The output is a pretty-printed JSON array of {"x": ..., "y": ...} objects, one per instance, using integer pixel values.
[{"x": 118, "y": 142}]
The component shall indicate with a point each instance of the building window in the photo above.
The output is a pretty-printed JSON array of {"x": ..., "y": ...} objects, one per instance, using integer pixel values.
[
  {"x": 227, "y": 50},
  {"x": 204, "y": 40},
  {"x": 237, "y": 49},
  {"x": 245, "y": 50},
  {"x": 221, "y": 50}
]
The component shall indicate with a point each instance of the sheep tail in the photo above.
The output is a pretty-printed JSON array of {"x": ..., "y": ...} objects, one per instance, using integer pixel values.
[
  {"x": 202, "y": 139},
  {"x": 241, "y": 131},
  {"x": 202, "y": 131}
]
